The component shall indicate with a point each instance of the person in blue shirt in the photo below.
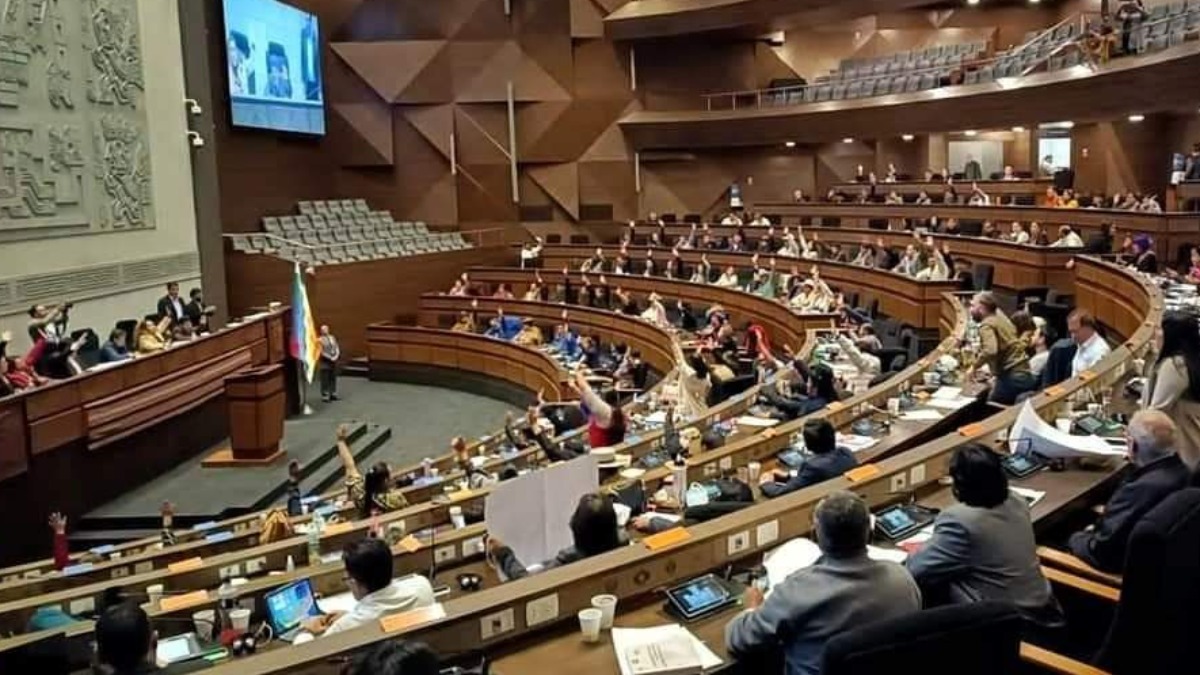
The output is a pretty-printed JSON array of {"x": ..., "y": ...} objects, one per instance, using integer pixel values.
[
  {"x": 504, "y": 327},
  {"x": 825, "y": 459},
  {"x": 116, "y": 348},
  {"x": 566, "y": 341}
]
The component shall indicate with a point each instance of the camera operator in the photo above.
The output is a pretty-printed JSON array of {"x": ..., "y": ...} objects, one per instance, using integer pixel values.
[{"x": 52, "y": 349}]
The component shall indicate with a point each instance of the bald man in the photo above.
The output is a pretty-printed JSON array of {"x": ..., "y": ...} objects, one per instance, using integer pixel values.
[{"x": 1157, "y": 473}]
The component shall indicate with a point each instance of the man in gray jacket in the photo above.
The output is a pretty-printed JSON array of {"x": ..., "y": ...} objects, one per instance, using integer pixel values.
[
  {"x": 983, "y": 548},
  {"x": 844, "y": 589}
]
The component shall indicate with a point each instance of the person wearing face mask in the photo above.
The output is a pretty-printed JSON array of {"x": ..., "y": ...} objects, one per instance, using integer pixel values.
[
  {"x": 1002, "y": 350},
  {"x": 1157, "y": 472}
]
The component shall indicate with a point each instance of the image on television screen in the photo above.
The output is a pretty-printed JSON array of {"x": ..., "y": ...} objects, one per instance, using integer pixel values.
[{"x": 274, "y": 66}]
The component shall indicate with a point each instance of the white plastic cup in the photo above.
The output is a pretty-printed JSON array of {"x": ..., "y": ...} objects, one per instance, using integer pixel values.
[
  {"x": 240, "y": 618},
  {"x": 154, "y": 594},
  {"x": 607, "y": 604},
  {"x": 755, "y": 470},
  {"x": 456, "y": 517},
  {"x": 205, "y": 621},
  {"x": 589, "y": 624},
  {"x": 1063, "y": 424},
  {"x": 893, "y": 406}
]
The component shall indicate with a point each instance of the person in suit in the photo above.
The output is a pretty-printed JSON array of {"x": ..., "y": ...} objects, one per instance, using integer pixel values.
[
  {"x": 116, "y": 348},
  {"x": 983, "y": 547},
  {"x": 1157, "y": 473},
  {"x": 844, "y": 589},
  {"x": 825, "y": 459},
  {"x": 171, "y": 305},
  {"x": 196, "y": 312}
]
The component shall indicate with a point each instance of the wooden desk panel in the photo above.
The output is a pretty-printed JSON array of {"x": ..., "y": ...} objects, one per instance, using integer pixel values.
[
  {"x": 1022, "y": 187},
  {"x": 14, "y": 448}
]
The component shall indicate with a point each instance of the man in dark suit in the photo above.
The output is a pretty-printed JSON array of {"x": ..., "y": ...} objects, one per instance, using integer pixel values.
[
  {"x": 825, "y": 460},
  {"x": 171, "y": 304},
  {"x": 196, "y": 312},
  {"x": 983, "y": 547},
  {"x": 1157, "y": 473}
]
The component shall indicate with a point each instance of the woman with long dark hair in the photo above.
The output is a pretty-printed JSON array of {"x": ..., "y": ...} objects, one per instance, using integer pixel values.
[
  {"x": 594, "y": 530},
  {"x": 372, "y": 492},
  {"x": 1174, "y": 383}
]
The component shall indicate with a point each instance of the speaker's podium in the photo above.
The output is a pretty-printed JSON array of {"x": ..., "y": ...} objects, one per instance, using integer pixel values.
[{"x": 257, "y": 402}]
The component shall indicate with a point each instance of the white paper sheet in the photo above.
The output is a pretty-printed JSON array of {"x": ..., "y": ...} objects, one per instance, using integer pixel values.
[
  {"x": 531, "y": 514},
  {"x": 802, "y": 552},
  {"x": 947, "y": 393},
  {"x": 1046, "y": 440},
  {"x": 752, "y": 421},
  {"x": 624, "y": 638},
  {"x": 949, "y": 403},
  {"x": 856, "y": 443},
  {"x": 921, "y": 415},
  {"x": 1032, "y": 497}
]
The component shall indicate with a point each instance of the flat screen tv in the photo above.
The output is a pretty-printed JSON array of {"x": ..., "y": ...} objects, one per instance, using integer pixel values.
[{"x": 273, "y": 67}]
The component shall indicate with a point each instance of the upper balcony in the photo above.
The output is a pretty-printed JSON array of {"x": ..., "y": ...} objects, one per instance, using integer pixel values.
[{"x": 1032, "y": 83}]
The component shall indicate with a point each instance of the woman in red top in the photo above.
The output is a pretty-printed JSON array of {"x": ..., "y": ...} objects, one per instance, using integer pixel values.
[{"x": 606, "y": 420}]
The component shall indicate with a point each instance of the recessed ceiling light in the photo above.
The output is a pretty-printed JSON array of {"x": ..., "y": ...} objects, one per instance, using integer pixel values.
[
  {"x": 790, "y": 144},
  {"x": 1018, "y": 129},
  {"x": 970, "y": 132},
  {"x": 847, "y": 140},
  {"x": 972, "y": 2},
  {"x": 1034, "y": 2},
  {"x": 1136, "y": 117},
  {"x": 907, "y": 137}
]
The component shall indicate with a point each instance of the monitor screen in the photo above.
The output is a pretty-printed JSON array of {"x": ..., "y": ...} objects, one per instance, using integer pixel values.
[
  {"x": 273, "y": 67},
  {"x": 289, "y": 605},
  {"x": 699, "y": 595}
]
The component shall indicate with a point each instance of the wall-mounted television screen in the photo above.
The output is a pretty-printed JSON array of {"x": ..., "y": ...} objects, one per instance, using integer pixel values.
[{"x": 274, "y": 66}]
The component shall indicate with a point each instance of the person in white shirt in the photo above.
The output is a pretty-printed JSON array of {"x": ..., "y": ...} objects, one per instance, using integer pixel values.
[
  {"x": 978, "y": 197},
  {"x": 1150, "y": 205},
  {"x": 1009, "y": 174},
  {"x": 1018, "y": 234},
  {"x": 728, "y": 278},
  {"x": 1090, "y": 347},
  {"x": 368, "y": 565},
  {"x": 1067, "y": 238},
  {"x": 867, "y": 364},
  {"x": 731, "y": 219}
]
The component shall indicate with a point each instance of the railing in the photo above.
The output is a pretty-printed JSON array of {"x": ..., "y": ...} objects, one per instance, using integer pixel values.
[{"x": 779, "y": 96}]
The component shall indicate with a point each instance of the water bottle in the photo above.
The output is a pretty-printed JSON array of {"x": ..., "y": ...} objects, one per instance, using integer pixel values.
[
  {"x": 679, "y": 474},
  {"x": 315, "y": 526}
]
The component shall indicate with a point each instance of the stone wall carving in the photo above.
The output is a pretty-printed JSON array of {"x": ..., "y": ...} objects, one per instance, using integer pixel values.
[{"x": 74, "y": 147}]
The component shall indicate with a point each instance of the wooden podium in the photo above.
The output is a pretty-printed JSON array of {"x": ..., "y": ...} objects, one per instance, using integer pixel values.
[{"x": 257, "y": 402}]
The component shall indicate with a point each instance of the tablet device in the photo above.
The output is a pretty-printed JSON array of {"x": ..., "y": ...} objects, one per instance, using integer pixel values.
[
  {"x": 178, "y": 649},
  {"x": 699, "y": 597},
  {"x": 1019, "y": 466},
  {"x": 791, "y": 458},
  {"x": 898, "y": 522}
]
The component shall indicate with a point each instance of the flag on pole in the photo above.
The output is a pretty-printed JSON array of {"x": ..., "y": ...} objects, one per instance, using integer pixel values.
[{"x": 305, "y": 344}]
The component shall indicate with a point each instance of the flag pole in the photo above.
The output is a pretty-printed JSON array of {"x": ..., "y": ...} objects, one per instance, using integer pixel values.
[{"x": 302, "y": 379}]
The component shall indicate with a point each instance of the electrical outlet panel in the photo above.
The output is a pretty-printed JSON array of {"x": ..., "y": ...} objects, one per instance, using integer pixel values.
[
  {"x": 143, "y": 567},
  {"x": 256, "y": 565},
  {"x": 496, "y": 624},
  {"x": 916, "y": 475},
  {"x": 739, "y": 542},
  {"x": 472, "y": 547},
  {"x": 899, "y": 482},
  {"x": 231, "y": 571},
  {"x": 443, "y": 553},
  {"x": 82, "y": 606},
  {"x": 767, "y": 532},
  {"x": 541, "y": 610},
  {"x": 119, "y": 572}
]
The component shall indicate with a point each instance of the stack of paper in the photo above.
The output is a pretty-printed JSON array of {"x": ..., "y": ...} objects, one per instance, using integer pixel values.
[
  {"x": 855, "y": 443},
  {"x": 921, "y": 415},
  {"x": 752, "y": 421},
  {"x": 1048, "y": 441},
  {"x": 949, "y": 398},
  {"x": 803, "y": 552},
  {"x": 662, "y": 650}
]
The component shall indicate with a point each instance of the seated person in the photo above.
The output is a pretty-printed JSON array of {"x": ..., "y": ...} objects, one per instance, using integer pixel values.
[
  {"x": 1157, "y": 473},
  {"x": 633, "y": 373},
  {"x": 126, "y": 644},
  {"x": 152, "y": 335},
  {"x": 983, "y": 547},
  {"x": 369, "y": 575},
  {"x": 529, "y": 336},
  {"x": 197, "y": 313},
  {"x": 819, "y": 391},
  {"x": 465, "y": 323},
  {"x": 843, "y": 590},
  {"x": 823, "y": 460},
  {"x": 593, "y": 527},
  {"x": 371, "y": 493},
  {"x": 566, "y": 341},
  {"x": 867, "y": 364},
  {"x": 115, "y": 348},
  {"x": 536, "y": 429},
  {"x": 504, "y": 327},
  {"x": 396, "y": 657}
]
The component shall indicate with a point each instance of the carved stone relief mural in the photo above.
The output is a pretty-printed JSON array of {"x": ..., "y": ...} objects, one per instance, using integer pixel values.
[{"x": 74, "y": 150}]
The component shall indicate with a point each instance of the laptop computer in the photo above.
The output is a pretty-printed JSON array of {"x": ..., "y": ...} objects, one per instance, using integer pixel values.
[{"x": 289, "y": 606}]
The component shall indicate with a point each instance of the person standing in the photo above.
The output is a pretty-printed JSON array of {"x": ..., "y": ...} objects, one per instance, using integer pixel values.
[
  {"x": 330, "y": 353},
  {"x": 171, "y": 305},
  {"x": 1002, "y": 350}
]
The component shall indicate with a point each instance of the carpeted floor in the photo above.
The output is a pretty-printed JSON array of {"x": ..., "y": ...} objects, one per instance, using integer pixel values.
[{"x": 422, "y": 420}]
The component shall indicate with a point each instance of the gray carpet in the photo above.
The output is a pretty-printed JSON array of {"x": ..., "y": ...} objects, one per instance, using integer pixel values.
[{"x": 422, "y": 420}]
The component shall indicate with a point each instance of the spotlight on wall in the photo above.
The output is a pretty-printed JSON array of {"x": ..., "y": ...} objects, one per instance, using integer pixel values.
[
  {"x": 970, "y": 133},
  {"x": 1136, "y": 117},
  {"x": 972, "y": 2},
  {"x": 907, "y": 138},
  {"x": 847, "y": 140},
  {"x": 790, "y": 144},
  {"x": 197, "y": 141},
  {"x": 1019, "y": 130},
  {"x": 193, "y": 106}
]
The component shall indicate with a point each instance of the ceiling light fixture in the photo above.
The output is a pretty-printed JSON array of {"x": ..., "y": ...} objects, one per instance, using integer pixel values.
[
  {"x": 907, "y": 138},
  {"x": 1136, "y": 117},
  {"x": 970, "y": 132},
  {"x": 972, "y": 2},
  {"x": 847, "y": 140},
  {"x": 790, "y": 144},
  {"x": 1018, "y": 130}
]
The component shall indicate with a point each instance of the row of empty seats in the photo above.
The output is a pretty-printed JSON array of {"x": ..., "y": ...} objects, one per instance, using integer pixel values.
[
  {"x": 941, "y": 56},
  {"x": 346, "y": 230}
]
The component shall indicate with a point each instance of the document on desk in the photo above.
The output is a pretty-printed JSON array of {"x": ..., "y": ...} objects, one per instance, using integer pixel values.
[
  {"x": 921, "y": 415},
  {"x": 1046, "y": 440},
  {"x": 803, "y": 552},
  {"x": 752, "y": 421},
  {"x": 949, "y": 398},
  {"x": 661, "y": 650},
  {"x": 855, "y": 443},
  {"x": 531, "y": 514}
]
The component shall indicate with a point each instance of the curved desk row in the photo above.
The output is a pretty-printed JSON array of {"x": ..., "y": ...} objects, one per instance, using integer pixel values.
[
  {"x": 636, "y": 571},
  {"x": 1017, "y": 266},
  {"x": 1024, "y": 187},
  {"x": 390, "y": 347},
  {"x": 914, "y": 302},
  {"x": 74, "y": 444},
  {"x": 783, "y": 326}
]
